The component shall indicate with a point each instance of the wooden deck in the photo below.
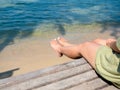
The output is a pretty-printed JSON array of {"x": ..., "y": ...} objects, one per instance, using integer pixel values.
[{"x": 74, "y": 75}]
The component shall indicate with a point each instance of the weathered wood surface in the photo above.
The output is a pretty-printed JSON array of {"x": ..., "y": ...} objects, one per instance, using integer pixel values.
[{"x": 74, "y": 75}]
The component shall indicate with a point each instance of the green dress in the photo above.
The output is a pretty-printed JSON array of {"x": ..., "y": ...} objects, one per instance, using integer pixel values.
[{"x": 108, "y": 64}]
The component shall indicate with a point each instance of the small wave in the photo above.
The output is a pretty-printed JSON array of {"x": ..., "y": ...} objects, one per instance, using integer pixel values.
[{"x": 9, "y": 3}]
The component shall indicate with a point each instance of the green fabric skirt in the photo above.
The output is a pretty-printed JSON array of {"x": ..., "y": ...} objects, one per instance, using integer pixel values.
[{"x": 108, "y": 65}]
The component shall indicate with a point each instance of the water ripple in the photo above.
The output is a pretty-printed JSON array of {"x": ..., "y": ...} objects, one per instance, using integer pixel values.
[{"x": 27, "y": 14}]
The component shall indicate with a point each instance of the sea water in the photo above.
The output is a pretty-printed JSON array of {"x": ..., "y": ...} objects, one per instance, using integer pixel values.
[{"x": 22, "y": 18}]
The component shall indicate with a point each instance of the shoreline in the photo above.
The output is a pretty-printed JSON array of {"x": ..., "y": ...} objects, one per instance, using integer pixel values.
[{"x": 35, "y": 53}]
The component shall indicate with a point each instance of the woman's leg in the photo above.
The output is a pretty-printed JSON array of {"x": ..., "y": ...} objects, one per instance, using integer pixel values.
[
  {"x": 64, "y": 42},
  {"x": 100, "y": 41},
  {"x": 87, "y": 50}
]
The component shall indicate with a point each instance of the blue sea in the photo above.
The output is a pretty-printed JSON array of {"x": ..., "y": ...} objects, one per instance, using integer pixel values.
[{"x": 23, "y": 17}]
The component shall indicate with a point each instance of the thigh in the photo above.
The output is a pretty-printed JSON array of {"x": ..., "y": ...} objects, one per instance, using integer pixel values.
[
  {"x": 88, "y": 51},
  {"x": 100, "y": 41}
]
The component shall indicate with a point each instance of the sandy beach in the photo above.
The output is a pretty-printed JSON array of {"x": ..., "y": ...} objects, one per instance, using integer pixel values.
[{"x": 29, "y": 55}]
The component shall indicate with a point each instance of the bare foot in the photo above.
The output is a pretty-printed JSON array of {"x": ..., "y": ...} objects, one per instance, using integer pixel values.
[
  {"x": 63, "y": 41},
  {"x": 110, "y": 41},
  {"x": 56, "y": 46}
]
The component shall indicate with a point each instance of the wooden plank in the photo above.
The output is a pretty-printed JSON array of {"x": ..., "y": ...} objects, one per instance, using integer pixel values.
[
  {"x": 18, "y": 79},
  {"x": 40, "y": 81},
  {"x": 91, "y": 85},
  {"x": 110, "y": 88},
  {"x": 69, "y": 82}
]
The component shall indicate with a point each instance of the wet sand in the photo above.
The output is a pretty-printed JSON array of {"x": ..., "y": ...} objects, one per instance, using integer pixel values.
[{"x": 33, "y": 54}]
